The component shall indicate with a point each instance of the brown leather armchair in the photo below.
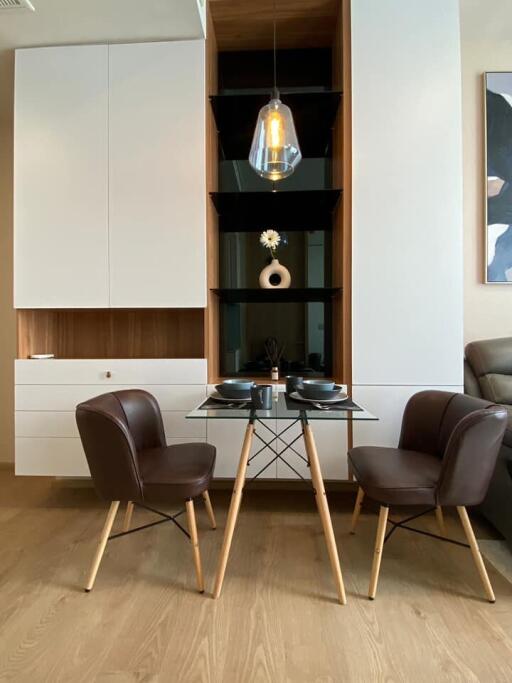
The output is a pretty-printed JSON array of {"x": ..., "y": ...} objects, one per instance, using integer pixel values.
[
  {"x": 124, "y": 441},
  {"x": 488, "y": 374},
  {"x": 446, "y": 456}
]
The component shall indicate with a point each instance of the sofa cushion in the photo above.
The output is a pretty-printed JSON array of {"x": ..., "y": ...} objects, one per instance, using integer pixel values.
[
  {"x": 497, "y": 388},
  {"x": 490, "y": 356}
]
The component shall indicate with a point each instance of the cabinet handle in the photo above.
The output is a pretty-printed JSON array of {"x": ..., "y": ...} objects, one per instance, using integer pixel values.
[{"x": 108, "y": 374}]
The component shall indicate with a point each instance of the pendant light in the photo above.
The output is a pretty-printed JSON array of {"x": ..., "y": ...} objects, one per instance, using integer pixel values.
[{"x": 275, "y": 150}]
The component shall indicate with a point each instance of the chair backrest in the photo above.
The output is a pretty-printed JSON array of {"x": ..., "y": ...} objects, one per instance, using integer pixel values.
[
  {"x": 489, "y": 363},
  {"x": 464, "y": 431},
  {"x": 113, "y": 428}
]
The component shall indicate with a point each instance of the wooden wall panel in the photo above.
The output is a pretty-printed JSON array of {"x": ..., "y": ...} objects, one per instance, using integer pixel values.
[
  {"x": 241, "y": 25},
  {"x": 342, "y": 228},
  {"x": 211, "y": 327},
  {"x": 111, "y": 333}
]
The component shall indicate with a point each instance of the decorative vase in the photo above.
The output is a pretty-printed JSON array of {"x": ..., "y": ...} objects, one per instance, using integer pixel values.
[
  {"x": 274, "y": 374},
  {"x": 275, "y": 276}
]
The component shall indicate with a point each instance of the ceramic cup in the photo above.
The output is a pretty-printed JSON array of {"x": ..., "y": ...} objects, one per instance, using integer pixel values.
[
  {"x": 292, "y": 383},
  {"x": 261, "y": 396}
]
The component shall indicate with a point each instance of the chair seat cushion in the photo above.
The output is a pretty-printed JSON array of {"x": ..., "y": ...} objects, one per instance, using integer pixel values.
[
  {"x": 395, "y": 476},
  {"x": 176, "y": 472}
]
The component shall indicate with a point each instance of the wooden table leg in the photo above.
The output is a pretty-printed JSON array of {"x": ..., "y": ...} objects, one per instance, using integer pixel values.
[
  {"x": 323, "y": 509},
  {"x": 234, "y": 507}
]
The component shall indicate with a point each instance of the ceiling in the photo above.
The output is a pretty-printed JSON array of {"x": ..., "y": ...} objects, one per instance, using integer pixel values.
[
  {"x": 61, "y": 22},
  {"x": 244, "y": 25}
]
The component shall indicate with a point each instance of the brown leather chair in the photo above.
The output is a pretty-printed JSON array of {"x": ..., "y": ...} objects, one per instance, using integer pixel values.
[
  {"x": 124, "y": 441},
  {"x": 446, "y": 456}
]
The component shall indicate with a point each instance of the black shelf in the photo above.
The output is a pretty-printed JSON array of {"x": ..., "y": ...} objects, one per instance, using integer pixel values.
[
  {"x": 313, "y": 114},
  {"x": 291, "y": 211},
  {"x": 291, "y": 295}
]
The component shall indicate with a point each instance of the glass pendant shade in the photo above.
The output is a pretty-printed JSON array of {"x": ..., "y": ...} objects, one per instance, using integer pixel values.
[{"x": 275, "y": 150}]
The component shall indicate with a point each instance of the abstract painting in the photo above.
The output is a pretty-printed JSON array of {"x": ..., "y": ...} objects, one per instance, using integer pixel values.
[{"x": 498, "y": 133}]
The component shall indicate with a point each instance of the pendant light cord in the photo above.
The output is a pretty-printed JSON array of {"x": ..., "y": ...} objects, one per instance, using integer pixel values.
[{"x": 276, "y": 93}]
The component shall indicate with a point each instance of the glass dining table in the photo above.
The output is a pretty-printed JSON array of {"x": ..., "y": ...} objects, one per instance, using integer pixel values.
[{"x": 284, "y": 409}]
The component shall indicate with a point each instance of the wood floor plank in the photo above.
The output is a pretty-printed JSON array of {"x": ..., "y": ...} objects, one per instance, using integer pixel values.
[{"x": 277, "y": 619}]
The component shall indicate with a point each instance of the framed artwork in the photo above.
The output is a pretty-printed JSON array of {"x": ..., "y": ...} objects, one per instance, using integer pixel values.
[{"x": 498, "y": 177}]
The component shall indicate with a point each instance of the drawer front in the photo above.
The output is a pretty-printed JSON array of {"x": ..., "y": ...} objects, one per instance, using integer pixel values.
[
  {"x": 58, "y": 457},
  {"x": 112, "y": 371},
  {"x": 50, "y": 457},
  {"x": 62, "y": 397},
  {"x": 57, "y": 424}
]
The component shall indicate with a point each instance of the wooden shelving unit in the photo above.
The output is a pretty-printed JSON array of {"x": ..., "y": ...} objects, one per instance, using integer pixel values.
[
  {"x": 290, "y": 295},
  {"x": 314, "y": 114},
  {"x": 321, "y": 107},
  {"x": 111, "y": 333},
  {"x": 290, "y": 211}
]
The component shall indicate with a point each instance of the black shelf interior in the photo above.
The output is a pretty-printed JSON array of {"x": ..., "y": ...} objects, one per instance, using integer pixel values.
[
  {"x": 291, "y": 295},
  {"x": 252, "y": 211},
  {"x": 313, "y": 114},
  {"x": 301, "y": 207}
]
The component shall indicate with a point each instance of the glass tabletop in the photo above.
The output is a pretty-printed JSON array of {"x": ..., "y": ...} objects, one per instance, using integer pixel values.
[{"x": 281, "y": 410}]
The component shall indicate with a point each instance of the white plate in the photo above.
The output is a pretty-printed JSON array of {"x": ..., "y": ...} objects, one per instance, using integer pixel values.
[
  {"x": 337, "y": 399},
  {"x": 42, "y": 356},
  {"x": 217, "y": 397}
]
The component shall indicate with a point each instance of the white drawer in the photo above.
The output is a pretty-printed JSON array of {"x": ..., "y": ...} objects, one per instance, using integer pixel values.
[
  {"x": 58, "y": 457},
  {"x": 59, "y": 424},
  {"x": 45, "y": 424},
  {"x": 61, "y": 397},
  {"x": 122, "y": 371},
  {"x": 51, "y": 457},
  {"x": 177, "y": 426}
]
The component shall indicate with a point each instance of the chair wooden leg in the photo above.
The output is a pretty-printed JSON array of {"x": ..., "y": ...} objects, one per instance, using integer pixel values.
[
  {"x": 357, "y": 510},
  {"x": 377, "y": 557},
  {"x": 192, "y": 528},
  {"x": 128, "y": 516},
  {"x": 440, "y": 520},
  {"x": 475, "y": 551},
  {"x": 209, "y": 509},
  {"x": 111, "y": 515}
]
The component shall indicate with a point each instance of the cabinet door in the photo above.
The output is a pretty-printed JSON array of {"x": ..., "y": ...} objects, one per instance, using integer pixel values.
[
  {"x": 157, "y": 175},
  {"x": 60, "y": 177}
]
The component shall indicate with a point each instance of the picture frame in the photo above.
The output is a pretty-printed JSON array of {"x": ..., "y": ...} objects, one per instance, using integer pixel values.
[{"x": 497, "y": 93}]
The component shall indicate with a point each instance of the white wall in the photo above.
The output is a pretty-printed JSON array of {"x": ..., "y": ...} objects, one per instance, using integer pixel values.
[{"x": 407, "y": 200}]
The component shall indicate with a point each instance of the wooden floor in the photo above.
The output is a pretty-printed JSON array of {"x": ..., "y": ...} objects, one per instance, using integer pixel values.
[{"x": 277, "y": 618}]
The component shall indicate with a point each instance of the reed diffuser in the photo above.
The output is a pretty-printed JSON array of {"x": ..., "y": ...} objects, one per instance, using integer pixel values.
[{"x": 274, "y": 352}]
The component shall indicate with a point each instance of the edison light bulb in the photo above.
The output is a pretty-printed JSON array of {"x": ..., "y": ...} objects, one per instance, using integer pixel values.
[{"x": 275, "y": 149}]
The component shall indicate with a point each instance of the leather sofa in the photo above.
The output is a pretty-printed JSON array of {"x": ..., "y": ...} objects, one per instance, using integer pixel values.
[{"x": 488, "y": 375}]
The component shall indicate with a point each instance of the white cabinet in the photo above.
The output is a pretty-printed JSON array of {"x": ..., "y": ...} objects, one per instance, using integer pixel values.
[
  {"x": 60, "y": 178},
  {"x": 407, "y": 155},
  {"x": 157, "y": 185},
  {"x": 110, "y": 187},
  {"x": 331, "y": 444},
  {"x": 47, "y": 393},
  {"x": 228, "y": 435}
]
